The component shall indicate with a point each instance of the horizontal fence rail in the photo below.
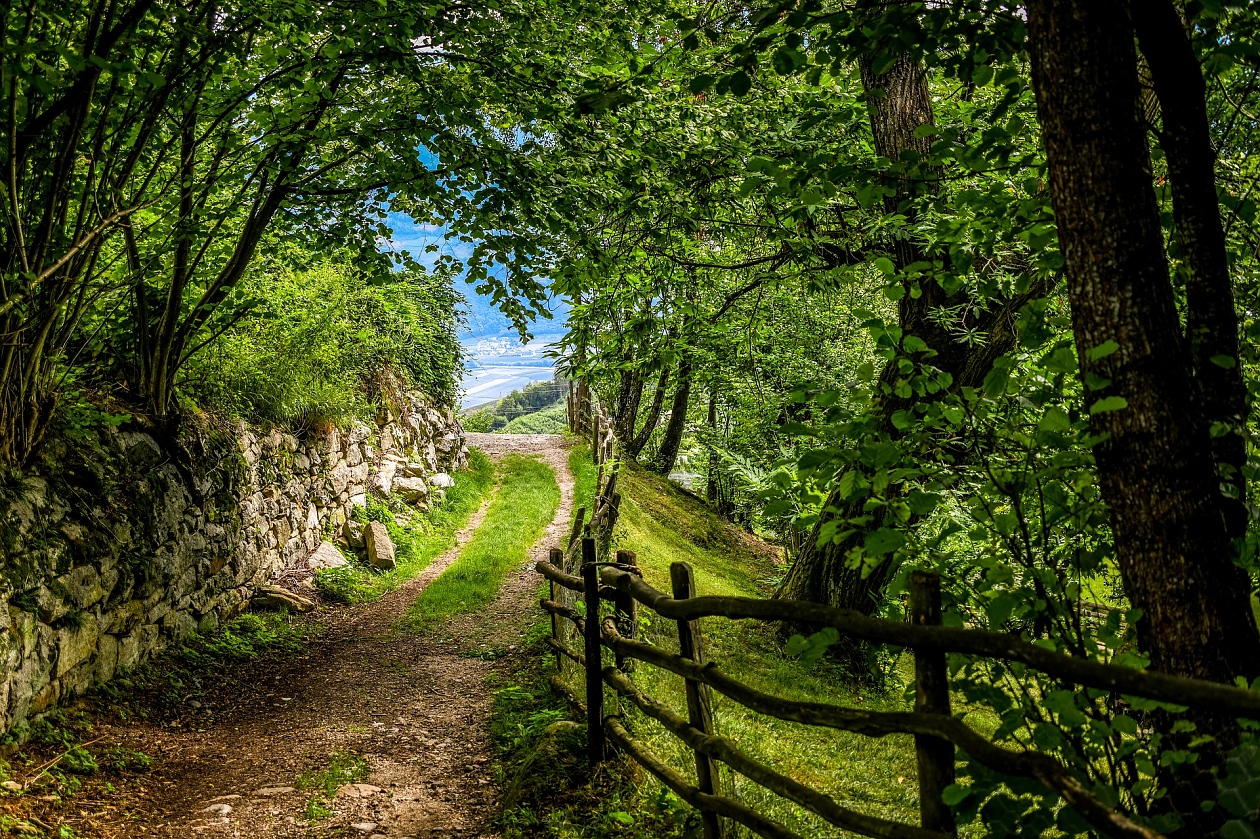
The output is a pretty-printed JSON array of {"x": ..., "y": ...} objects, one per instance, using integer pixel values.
[{"x": 937, "y": 734}]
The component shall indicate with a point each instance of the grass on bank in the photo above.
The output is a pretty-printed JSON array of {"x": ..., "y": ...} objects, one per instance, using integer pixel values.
[
  {"x": 548, "y": 793},
  {"x": 423, "y": 537},
  {"x": 524, "y": 505}
]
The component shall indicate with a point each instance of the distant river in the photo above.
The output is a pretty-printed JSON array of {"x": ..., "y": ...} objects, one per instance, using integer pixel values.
[{"x": 494, "y": 367}]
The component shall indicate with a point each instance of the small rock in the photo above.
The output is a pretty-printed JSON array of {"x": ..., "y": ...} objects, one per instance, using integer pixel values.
[
  {"x": 325, "y": 555},
  {"x": 270, "y": 791},
  {"x": 12, "y": 786},
  {"x": 218, "y": 809},
  {"x": 358, "y": 791},
  {"x": 274, "y": 597},
  {"x": 378, "y": 836},
  {"x": 364, "y": 827},
  {"x": 380, "y": 548},
  {"x": 441, "y": 480}
]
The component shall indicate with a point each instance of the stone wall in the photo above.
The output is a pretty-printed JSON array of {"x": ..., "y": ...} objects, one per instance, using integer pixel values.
[{"x": 124, "y": 539}]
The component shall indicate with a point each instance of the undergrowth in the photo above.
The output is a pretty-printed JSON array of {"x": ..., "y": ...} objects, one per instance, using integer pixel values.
[
  {"x": 422, "y": 538},
  {"x": 525, "y": 503}
]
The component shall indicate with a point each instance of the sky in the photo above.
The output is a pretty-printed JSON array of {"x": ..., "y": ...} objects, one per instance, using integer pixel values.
[{"x": 496, "y": 361}]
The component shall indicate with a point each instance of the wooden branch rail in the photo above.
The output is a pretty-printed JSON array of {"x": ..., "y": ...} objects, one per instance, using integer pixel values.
[
  {"x": 937, "y": 733},
  {"x": 1113, "y": 678}
]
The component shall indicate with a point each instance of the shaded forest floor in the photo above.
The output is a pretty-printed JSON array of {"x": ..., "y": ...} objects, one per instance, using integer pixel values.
[{"x": 364, "y": 730}]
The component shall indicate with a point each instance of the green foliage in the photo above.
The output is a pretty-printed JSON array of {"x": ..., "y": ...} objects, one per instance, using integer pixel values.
[
  {"x": 524, "y": 504},
  {"x": 418, "y": 542},
  {"x": 552, "y": 420},
  {"x": 343, "y": 768},
  {"x": 538, "y": 408},
  {"x": 317, "y": 344}
]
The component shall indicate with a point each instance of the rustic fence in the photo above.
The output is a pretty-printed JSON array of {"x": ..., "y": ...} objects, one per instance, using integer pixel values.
[
  {"x": 587, "y": 417},
  {"x": 618, "y": 585}
]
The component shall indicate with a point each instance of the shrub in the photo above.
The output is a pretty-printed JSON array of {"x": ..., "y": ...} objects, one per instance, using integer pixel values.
[{"x": 314, "y": 341}]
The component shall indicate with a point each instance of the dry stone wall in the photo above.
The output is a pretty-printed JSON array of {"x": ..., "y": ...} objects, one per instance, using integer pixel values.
[{"x": 124, "y": 539}]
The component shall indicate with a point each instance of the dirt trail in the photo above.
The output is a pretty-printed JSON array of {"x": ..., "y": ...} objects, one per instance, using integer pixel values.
[{"x": 415, "y": 707}]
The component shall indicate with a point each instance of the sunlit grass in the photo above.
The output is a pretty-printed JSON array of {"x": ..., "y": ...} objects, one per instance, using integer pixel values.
[
  {"x": 422, "y": 539},
  {"x": 525, "y": 503},
  {"x": 875, "y": 776}
]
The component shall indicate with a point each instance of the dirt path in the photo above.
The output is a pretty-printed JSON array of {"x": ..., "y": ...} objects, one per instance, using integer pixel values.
[{"x": 415, "y": 707}]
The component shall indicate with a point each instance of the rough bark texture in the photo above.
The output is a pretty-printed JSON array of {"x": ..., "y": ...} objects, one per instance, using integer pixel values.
[
  {"x": 1156, "y": 462},
  {"x": 668, "y": 451},
  {"x": 1211, "y": 320},
  {"x": 626, "y": 410}
]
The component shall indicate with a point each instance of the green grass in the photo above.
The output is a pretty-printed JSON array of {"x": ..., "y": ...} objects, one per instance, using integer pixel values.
[
  {"x": 584, "y": 474},
  {"x": 548, "y": 791},
  {"x": 525, "y": 503},
  {"x": 424, "y": 537}
]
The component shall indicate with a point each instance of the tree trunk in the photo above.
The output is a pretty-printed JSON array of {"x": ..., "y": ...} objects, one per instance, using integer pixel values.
[
  {"x": 821, "y": 574},
  {"x": 1211, "y": 320},
  {"x": 1155, "y": 459},
  {"x": 638, "y": 442},
  {"x": 663, "y": 463},
  {"x": 626, "y": 410}
]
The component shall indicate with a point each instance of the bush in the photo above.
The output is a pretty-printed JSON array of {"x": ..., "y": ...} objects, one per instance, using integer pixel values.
[{"x": 314, "y": 342}]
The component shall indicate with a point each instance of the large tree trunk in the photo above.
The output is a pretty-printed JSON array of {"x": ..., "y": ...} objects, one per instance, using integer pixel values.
[
  {"x": 663, "y": 463},
  {"x": 626, "y": 409},
  {"x": 1155, "y": 459}
]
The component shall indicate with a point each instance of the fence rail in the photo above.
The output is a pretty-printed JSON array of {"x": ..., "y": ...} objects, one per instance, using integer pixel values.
[{"x": 936, "y": 732}]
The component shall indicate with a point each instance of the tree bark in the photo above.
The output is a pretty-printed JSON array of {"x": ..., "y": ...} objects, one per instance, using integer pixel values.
[
  {"x": 1155, "y": 461},
  {"x": 639, "y": 441},
  {"x": 626, "y": 411},
  {"x": 667, "y": 454},
  {"x": 1211, "y": 319}
]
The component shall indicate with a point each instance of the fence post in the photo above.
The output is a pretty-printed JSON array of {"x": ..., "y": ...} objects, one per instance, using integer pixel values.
[
  {"x": 627, "y": 612},
  {"x": 578, "y": 516},
  {"x": 699, "y": 709},
  {"x": 594, "y": 666},
  {"x": 595, "y": 438},
  {"x": 557, "y": 560},
  {"x": 931, "y": 696}
]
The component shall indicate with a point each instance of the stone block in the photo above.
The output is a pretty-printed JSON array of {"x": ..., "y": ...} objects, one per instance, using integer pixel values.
[{"x": 380, "y": 548}]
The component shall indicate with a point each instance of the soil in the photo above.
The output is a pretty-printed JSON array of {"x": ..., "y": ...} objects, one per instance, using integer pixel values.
[{"x": 415, "y": 707}]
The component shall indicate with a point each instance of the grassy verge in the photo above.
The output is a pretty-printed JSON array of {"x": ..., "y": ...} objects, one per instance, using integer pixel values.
[
  {"x": 584, "y": 473},
  {"x": 525, "y": 503},
  {"x": 422, "y": 538},
  {"x": 343, "y": 768},
  {"x": 662, "y": 525}
]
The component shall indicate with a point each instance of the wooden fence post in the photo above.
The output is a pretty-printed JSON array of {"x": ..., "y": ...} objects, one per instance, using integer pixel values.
[
  {"x": 595, "y": 451},
  {"x": 557, "y": 559},
  {"x": 594, "y": 665},
  {"x": 579, "y": 515},
  {"x": 699, "y": 708},
  {"x": 627, "y": 613},
  {"x": 931, "y": 680}
]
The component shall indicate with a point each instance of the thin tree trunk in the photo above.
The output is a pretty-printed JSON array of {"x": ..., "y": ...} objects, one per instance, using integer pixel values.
[
  {"x": 629, "y": 395},
  {"x": 667, "y": 454},
  {"x": 1155, "y": 458},
  {"x": 640, "y": 440},
  {"x": 1211, "y": 319}
]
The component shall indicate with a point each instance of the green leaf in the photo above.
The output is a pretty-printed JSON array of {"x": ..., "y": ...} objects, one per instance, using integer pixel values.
[
  {"x": 701, "y": 83},
  {"x": 883, "y": 541},
  {"x": 1225, "y": 361},
  {"x": 1103, "y": 350},
  {"x": 885, "y": 266},
  {"x": 1108, "y": 404}
]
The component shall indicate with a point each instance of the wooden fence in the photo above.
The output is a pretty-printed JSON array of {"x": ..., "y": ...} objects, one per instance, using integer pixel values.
[
  {"x": 617, "y": 587},
  {"x": 586, "y": 416}
]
